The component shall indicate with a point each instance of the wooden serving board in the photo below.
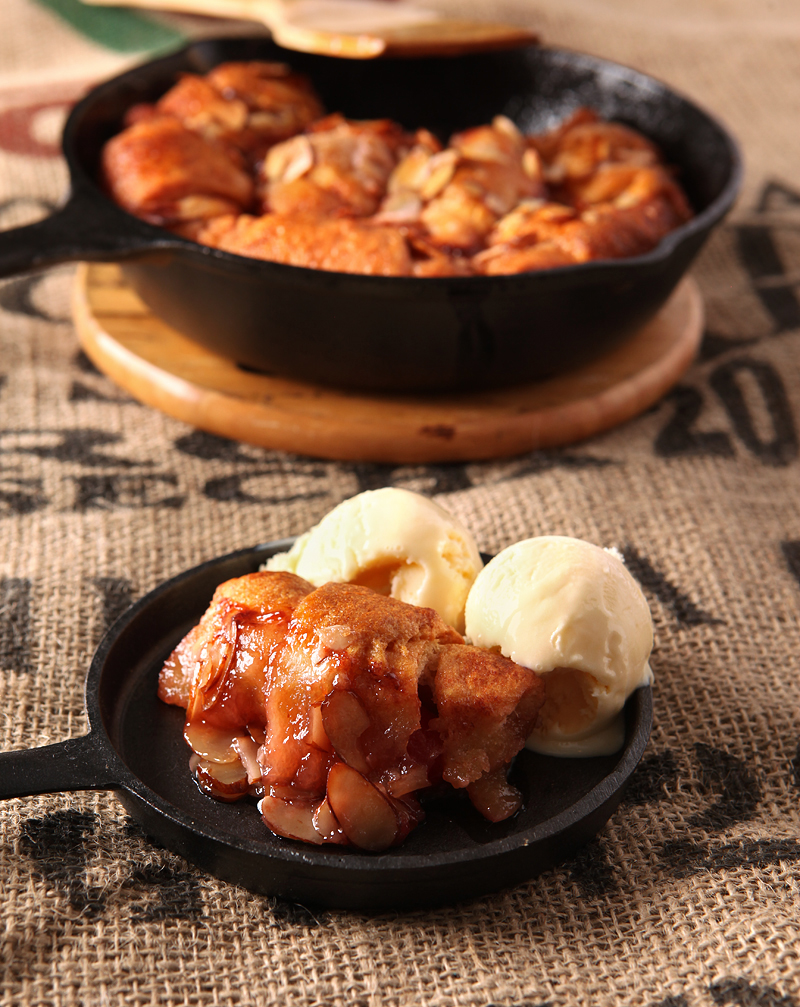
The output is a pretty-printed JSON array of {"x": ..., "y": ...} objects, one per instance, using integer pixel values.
[{"x": 164, "y": 369}]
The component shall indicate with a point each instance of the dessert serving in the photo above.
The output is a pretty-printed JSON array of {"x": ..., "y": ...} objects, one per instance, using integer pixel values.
[
  {"x": 337, "y": 704},
  {"x": 244, "y": 159}
]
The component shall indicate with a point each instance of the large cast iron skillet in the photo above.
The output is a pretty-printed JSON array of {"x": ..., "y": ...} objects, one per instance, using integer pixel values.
[
  {"x": 396, "y": 333},
  {"x": 135, "y": 747}
]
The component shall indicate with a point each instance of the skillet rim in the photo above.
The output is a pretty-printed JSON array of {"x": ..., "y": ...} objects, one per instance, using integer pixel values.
[
  {"x": 390, "y": 865},
  {"x": 162, "y": 239}
]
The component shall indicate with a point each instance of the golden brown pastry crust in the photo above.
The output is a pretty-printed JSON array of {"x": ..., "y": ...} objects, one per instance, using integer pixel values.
[
  {"x": 339, "y": 244},
  {"x": 369, "y": 197},
  {"x": 336, "y": 705},
  {"x": 168, "y": 174}
]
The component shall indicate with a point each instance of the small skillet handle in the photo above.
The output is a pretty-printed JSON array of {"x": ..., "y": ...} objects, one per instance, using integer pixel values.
[
  {"x": 87, "y": 227},
  {"x": 77, "y": 764}
]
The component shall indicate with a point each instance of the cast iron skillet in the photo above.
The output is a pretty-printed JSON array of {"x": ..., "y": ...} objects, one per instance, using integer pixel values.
[
  {"x": 396, "y": 333},
  {"x": 135, "y": 747}
]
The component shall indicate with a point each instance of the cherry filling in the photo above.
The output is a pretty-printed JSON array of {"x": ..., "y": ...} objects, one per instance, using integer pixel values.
[{"x": 336, "y": 706}]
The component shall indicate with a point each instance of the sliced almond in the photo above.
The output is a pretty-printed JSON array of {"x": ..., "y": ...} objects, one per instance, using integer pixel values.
[
  {"x": 247, "y": 750},
  {"x": 212, "y": 743},
  {"x": 225, "y": 782},
  {"x": 505, "y": 125},
  {"x": 235, "y": 115},
  {"x": 345, "y": 720},
  {"x": 198, "y": 207},
  {"x": 318, "y": 736},
  {"x": 496, "y": 203},
  {"x": 410, "y": 172},
  {"x": 326, "y": 824},
  {"x": 292, "y": 819},
  {"x": 290, "y": 160},
  {"x": 336, "y": 637},
  {"x": 532, "y": 164},
  {"x": 440, "y": 170},
  {"x": 365, "y": 815},
  {"x": 256, "y": 732},
  {"x": 402, "y": 207}
]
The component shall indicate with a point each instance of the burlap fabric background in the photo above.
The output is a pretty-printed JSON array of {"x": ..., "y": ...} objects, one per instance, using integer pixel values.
[{"x": 691, "y": 894}]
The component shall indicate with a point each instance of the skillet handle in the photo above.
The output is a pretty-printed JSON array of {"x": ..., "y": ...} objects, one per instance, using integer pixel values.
[
  {"x": 87, "y": 227},
  {"x": 77, "y": 764}
]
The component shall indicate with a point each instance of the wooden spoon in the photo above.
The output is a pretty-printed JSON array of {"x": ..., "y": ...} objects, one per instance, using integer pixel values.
[{"x": 355, "y": 29}]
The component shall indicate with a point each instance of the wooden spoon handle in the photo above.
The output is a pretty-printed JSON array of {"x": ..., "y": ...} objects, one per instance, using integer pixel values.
[
  {"x": 450, "y": 37},
  {"x": 273, "y": 14},
  {"x": 355, "y": 29},
  {"x": 212, "y": 8}
]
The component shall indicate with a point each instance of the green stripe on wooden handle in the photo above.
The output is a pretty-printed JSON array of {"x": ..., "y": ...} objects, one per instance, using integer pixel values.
[{"x": 116, "y": 28}]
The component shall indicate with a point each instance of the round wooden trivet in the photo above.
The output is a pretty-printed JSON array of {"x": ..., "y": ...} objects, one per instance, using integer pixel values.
[{"x": 164, "y": 369}]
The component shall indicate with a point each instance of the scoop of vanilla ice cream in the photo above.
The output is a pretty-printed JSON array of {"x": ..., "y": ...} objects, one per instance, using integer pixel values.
[
  {"x": 572, "y": 612},
  {"x": 396, "y": 542}
]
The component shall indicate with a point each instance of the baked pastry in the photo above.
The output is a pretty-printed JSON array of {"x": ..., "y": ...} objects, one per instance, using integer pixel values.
[
  {"x": 244, "y": 159},
  {"x": 336, "y": 706}
]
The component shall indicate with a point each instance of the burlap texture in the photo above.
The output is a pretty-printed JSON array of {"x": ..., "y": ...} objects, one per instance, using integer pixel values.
[{"x": 691, "y": 894}]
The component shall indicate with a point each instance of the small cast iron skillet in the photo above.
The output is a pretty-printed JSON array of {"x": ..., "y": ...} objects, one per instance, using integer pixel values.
[
  {"x": 396, "y": 333},
  {"x": 136, "y": 748}
]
